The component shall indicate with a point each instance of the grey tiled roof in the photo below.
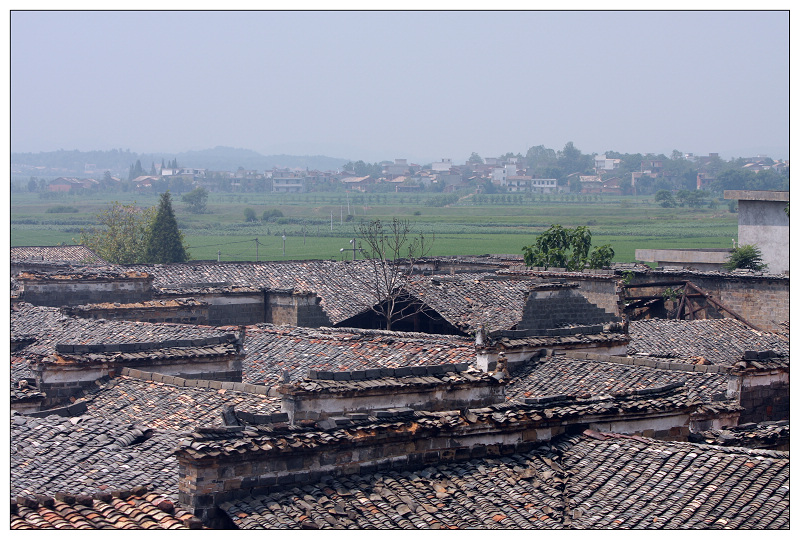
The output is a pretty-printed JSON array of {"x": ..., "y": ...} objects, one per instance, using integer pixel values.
[
  {"x": 86, "y": 454},
  {"x": 167, "y": 407},
  {"x": 511, "y": 415},
  {"x": 719, "y": 341},
  {"x": 64, "y": 254},
  {"x": 573, "y": 482},
  {"x": 339, "y": 285},
  {"x": 468, "y": 301},
  {"x": 121, "y": 510},
  {"x": 559, "y": 375},
  {"x": 50, "y": 327},
  {"x": 271, "y": 349}
]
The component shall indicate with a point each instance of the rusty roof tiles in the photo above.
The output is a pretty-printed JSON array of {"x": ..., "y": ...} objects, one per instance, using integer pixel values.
[
  {"x": 272, "y": 349},
  {"x": 561, "y": 375},
  {"x": 168, "y": 407},
  {"x": 86, "y": 454},
  {"x": 52, "y": 328},
  {"x": 129, "y": 509},
  {"x": 717, "y": 341}
]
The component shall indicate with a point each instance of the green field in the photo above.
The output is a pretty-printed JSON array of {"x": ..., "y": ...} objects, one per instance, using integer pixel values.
[{"x": 463, "y": 228}]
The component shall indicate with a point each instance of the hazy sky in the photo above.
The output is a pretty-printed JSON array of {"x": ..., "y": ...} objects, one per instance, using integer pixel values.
[{"x": 415, "y": 85}]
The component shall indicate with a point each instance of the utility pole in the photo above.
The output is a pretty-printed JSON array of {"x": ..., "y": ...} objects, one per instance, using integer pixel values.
[
  {"x": 256, "y": 249},
  {"x": 284, "y": 243},
  {"x": 218, "y": 254},
  {"x": 354, "y": 249}
]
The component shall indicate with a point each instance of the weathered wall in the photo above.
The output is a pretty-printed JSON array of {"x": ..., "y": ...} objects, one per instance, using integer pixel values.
[
  {"x": 75, "y": 291},
  {"x": 548, "y": 308},
  {"x": 296, "y": 309},
  {"x": 760, "y": 300},
  {"x": 235, "y": 308},
  {"x": 75, "y": 367},
  {"x": 764, "y": 395},
  {"x": 169, "y": 312},
  {"x": 766, "y": 225},
  {"x": 426, "y": 388}
]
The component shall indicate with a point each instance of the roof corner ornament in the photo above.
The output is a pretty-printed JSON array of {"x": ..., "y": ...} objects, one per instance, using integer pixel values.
[
  {"x": 480, "y": 336},
  {"x": 501, "y": 370}
]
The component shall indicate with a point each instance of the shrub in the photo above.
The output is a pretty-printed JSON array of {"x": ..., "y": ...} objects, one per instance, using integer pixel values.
[
  {"x": 62, "y": 209},
  {"x": 747, "y": 256},
  {"x": 271, "y": 214}
]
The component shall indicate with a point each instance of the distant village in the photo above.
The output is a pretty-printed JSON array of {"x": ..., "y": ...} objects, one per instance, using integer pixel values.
[{"x": 510, "y": 174}]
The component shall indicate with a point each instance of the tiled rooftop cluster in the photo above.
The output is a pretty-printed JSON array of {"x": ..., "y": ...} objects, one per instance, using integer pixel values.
[
  {"x": 168, "y": 407},
  {"x": 50, "y": 328},
  {"x": 561, "y": 375},
  {"x": 267, "y": 438},
  {"x": 271, "y": 350},
  {"x": 574, "y": 482},
  {"x": 121, "y": 510},
  {"x": 86, "y": 454},
  {"x": 63, "y": 254},
  {"x": 718, "y": 341}
]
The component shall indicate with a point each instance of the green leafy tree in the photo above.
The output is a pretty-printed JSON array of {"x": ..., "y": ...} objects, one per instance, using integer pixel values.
[
  {"x": 123, "y": 233},
  {"x": 571, "y": 160},
  {"x": 746, "y": 256},
  {"x": 250, "y": 215},
  {"x": 665, "y": 199},
  {"x": 692, "y": 198},
  {"x": 196, "y": 199},
  {"x": 164, "y": 239},
  {"x": 560, "y": 247},
  {"x": 539, "y": 157},
  {"x": 475, "y": 159}
]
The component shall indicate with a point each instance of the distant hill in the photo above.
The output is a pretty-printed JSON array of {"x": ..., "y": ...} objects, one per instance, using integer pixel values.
[
  {"x": 118, "y": 161},
  {"x": 230, "y": 159}
]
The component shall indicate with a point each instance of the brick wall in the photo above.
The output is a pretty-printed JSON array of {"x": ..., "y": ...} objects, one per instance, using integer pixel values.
[{"x": 553, "y": 308}]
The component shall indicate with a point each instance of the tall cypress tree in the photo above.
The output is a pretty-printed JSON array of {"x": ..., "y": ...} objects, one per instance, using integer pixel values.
[{"x": 165, "y": 240}]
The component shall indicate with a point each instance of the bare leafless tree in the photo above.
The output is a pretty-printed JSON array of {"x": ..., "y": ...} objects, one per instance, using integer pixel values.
[{"x": 391, "y": 249}]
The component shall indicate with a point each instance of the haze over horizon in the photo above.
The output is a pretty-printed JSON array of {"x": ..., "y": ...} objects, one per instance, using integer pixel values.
[{"x": 416, "y": 85}]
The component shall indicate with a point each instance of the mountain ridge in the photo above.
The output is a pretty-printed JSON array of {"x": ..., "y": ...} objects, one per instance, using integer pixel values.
[{"x": 219, "y": 158}]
